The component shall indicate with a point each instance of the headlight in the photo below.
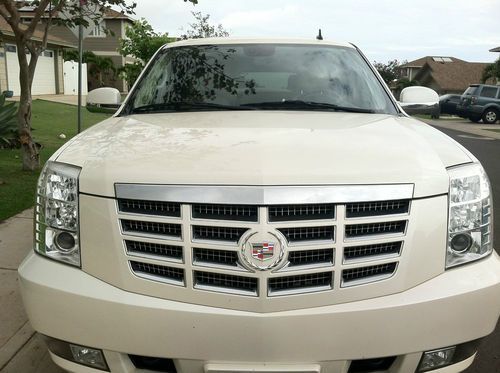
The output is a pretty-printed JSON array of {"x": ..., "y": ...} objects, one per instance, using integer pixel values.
[
  {"x": 470, "y": 227},
  {"x": 56, "y": 213}
]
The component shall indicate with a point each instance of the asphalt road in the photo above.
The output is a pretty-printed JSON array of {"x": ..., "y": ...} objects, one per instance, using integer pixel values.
[{"x": 488, "y": 152}]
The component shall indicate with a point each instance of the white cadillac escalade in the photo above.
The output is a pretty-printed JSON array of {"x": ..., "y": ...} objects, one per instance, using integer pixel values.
[{"x": 262, "y": 206}]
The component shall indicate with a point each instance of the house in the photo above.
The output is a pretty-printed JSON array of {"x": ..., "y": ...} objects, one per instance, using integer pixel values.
[
  {"x": 49, "y": 74},
  {"x": 103, "y": 40},
  {"x": 444, "y": 74}
]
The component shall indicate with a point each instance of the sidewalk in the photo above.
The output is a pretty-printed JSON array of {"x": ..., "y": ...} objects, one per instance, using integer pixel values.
[
  {"x": 20, "y": 349},
  {"x": 61, "y": 99}
]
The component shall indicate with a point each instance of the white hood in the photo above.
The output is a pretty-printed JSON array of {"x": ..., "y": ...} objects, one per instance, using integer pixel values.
[{"x": 263, "y": 148}]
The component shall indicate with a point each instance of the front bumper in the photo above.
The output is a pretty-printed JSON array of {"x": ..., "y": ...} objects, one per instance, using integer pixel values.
[{"x": 458, "y": 306}]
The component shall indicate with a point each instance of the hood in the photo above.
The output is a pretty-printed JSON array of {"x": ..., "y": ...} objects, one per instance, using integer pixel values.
[{"x": 263, "y": 148}]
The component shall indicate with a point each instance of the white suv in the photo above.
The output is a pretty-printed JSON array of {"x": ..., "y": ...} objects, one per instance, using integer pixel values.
[{"x": 262, "y": 206}]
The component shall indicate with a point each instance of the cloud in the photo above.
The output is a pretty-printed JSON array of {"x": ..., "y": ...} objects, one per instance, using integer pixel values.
[{"x": 386, "y": 28}]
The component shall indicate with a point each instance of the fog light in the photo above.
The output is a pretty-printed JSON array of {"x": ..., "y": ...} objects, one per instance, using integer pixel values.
[
  {"x": 461, "y": 242},
  {"x": 436, "y": 359},
  {"x": 65, "y": 242},
  {"x": 88, "y": 356}
]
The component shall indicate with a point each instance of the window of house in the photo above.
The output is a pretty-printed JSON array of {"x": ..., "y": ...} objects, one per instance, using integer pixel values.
[
  {"x": 11, "y": 48},
  {"x": 98, "y": 30},
  {"x": 48, "y": 53},
  {"x": 490, "y": 92}
]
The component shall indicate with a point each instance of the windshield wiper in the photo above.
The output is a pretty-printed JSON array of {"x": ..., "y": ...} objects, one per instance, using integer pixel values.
[
  {"x": 184, "y": 106},
  {"x": 309, "y": 105}
]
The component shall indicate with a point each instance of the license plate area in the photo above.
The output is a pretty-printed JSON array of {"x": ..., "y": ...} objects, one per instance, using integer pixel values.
[{"x": 262, "y": 368}]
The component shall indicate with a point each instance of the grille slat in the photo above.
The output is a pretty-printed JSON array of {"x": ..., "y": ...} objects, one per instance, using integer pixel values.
[
  {"x": 218, "y": 233},
  {"x": 379, "y": 208},
  {"x": 367, "y": 251},
  {"x": 309, "y": 257},
  {"x": 157, "y": 271},
  {"x": 205, "y": 280},
  {"x": 149, "y": 207},
  {"x": 379, "y": 272},
  {"x": 318, "y": 281},
  {"x": 301, "y": 212},
  {"x": 148, "y": 227},
  {"x": 221, "y": 257},
  {"x": 308, "y": 234},
  {"x": 225, "y": 212},
  {"x": 149, "y": 248},
  {"x": 359, "y": 230}
]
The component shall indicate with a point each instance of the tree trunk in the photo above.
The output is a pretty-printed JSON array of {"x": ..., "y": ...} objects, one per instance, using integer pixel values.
[{"x": 30, "y": 150}]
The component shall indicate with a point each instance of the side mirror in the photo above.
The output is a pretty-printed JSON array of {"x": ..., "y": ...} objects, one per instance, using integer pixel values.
[
  {"x": 420, "y": 100},
  {"x": 104, "y": 100}
]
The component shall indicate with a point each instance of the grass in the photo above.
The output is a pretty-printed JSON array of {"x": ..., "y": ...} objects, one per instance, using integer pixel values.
[
  {"x": 17, "y": 187},
  {"x": 493, "y": 130}
]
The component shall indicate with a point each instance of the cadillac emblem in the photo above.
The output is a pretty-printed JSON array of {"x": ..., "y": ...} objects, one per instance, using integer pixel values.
[{"x": 261, "y": 251}]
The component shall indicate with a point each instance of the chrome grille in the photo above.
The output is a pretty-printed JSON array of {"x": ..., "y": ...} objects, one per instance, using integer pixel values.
[
  {"x": 301, "y": 212},
  {"x": 310, "y": 257},
  {"x": 207, "y": 255},
  {"x": 357, "y": 276},
  {"x": 301, "y": 283},
  {"x": 153, "y": 249},
  {"x": 209, "y": 280},
  {"x": 225, "y": 212},
  {"x": 364, "y": 209},
  {"x": 218, "y": 233},
  {"x": 369, "y": 251},
  {"x": 155, "y": 228},
  {"x": 360, "y": 230},
  {"x": 158, "y": 272},
  {"x": 211, "y": 256},
  {"x": 149, "y": 207},
  {"x": 308, "y": 234}
]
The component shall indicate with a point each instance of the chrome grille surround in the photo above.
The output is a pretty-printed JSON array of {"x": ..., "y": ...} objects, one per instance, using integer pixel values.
[{"x": 327, "y": 253}]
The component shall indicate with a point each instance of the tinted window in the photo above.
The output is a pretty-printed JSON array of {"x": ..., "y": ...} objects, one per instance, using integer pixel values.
[
  {"x": 490, "y": 92},
  {"x": 253, "y": 74},
  {"x": 471, "y": 90}
]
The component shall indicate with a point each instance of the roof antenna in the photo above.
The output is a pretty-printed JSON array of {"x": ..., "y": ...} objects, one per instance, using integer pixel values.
[{"x": 319, "y": 37}]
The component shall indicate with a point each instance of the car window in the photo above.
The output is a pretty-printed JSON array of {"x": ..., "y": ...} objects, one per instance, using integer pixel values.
[
  {"x": 471, "y": 90},
  {"x": 490, "y": 92},
  {"x": 242, "y": 75}
]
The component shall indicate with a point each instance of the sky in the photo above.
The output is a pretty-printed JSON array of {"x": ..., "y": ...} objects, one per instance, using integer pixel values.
[{"x": 383, "y": 29}]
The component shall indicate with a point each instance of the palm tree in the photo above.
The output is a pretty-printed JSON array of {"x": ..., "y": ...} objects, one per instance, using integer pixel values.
[
  {"x": 492, "y": 72},
  {"x": 100, "y": 67}
]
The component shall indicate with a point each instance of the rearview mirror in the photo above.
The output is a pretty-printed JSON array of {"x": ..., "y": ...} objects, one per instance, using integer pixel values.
[
  {"x": 420, "y": 100},
  {"x": 104, "y": 100}
]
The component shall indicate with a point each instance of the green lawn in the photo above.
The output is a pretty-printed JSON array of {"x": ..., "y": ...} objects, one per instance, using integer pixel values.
[
  {"x": 491, "y": 129},
  {"x": 17, "y": 192}
]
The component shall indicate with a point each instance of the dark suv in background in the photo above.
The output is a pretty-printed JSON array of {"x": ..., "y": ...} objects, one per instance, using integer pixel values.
[{"x": 480, "y": 101}]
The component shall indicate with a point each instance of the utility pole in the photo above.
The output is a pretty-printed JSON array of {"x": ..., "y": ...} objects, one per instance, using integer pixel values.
[{"x": 80, "y": 65}]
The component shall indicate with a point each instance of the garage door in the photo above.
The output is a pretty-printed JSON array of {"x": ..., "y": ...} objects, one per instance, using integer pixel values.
[{"x": 44, "y": 82}]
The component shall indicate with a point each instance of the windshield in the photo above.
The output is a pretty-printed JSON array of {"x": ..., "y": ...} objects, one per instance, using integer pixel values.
[
  {"x": 259, "y": 77},
  {"x": 471, "y": 90}
]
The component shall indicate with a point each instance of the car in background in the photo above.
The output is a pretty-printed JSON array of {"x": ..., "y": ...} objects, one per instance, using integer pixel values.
[
  {"x": 448, "y": 104},
  {"x": 480, "y": 101}
]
